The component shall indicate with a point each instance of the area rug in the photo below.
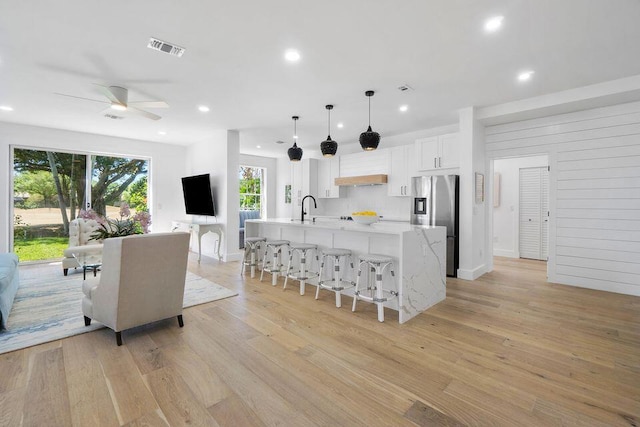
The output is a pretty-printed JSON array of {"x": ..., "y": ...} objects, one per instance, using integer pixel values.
[{"x": 48, "y": 307}]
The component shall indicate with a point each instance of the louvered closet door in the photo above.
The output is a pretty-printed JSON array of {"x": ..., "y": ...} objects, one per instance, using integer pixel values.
[{"x": 533, "y": 213}]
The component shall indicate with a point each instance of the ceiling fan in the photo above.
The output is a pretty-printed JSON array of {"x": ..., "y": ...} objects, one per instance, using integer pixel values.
[{"x": 118, "y": 98}]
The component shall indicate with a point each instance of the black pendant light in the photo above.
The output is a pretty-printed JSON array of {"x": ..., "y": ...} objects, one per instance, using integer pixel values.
[
  {"x": 369, "y": 140},
  {"x": 329, "y": 147},
  {"x": 295, "y": 152}
]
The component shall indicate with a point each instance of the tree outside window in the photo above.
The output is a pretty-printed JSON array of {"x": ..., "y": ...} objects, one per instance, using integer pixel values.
[{"x": 250, "y": 188}]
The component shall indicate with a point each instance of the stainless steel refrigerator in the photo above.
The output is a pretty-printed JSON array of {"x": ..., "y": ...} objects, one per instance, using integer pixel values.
[{"x": 436, "y": 202}]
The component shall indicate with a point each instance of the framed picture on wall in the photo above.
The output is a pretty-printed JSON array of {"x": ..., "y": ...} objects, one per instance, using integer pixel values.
[
  {"x": 287, "y": 193},
  {"x": 479, "y": 187}
]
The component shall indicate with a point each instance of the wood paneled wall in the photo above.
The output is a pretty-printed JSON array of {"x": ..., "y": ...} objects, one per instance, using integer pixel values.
[{"x": 594, "y": 237}]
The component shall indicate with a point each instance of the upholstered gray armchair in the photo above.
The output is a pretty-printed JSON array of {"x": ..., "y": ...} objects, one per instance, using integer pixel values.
[{"x": 142, "y": 281}]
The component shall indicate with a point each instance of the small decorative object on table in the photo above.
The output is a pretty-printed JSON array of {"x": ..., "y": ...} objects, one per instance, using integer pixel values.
[{"x": 365, "y": 217}]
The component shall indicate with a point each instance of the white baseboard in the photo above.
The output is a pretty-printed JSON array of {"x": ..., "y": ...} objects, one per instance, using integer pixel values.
[
  {"x": 472, "y": 274},
  {"x": 505, "y": 253}
]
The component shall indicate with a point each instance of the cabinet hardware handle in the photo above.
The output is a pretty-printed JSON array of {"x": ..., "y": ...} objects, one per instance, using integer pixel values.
[
  {"x": 435, "y": 162},
  {"x": 440, "y": 161}
]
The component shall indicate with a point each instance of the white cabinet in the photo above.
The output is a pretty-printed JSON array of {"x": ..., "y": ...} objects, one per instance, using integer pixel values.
[
  {"x": 328, "y": 171},
  {"x": 438, "y": 152},
  {"x": 304, "y": 176},
  {"x": 401, "y": 169}
]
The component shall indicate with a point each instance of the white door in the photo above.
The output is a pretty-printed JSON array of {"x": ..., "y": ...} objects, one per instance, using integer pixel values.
[{"x": 534, "y": 212}]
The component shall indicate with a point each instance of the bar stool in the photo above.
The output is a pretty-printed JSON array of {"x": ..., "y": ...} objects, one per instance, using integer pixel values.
[
  {"x": 275, "y": 266},
  {"x": 304, "y": 250},
  {"x": 336, "y": 284},
  {"x": 252, "y": 246},
  {"x": 377, "y": 264}
]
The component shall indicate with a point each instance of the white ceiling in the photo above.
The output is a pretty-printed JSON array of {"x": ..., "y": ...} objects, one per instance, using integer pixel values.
[{"x": 234, "y": 62}]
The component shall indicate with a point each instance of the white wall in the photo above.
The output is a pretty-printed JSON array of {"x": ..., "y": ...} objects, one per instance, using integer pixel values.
[
  {"x": 506, "y": 215},
  {"x": 167, "y": 167},
  {"x": 594, "y": 196},
  {"x": 220, "y": 158},
  {"x": 473, "y": 248},
  {"x": 271, "y": 181}
]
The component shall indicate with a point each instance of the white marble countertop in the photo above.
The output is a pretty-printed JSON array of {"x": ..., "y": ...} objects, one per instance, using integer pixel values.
[{"x": 382, "y": 227}]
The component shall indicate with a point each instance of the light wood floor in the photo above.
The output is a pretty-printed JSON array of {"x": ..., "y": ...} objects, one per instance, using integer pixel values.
[{"x": 507, "y": 349}]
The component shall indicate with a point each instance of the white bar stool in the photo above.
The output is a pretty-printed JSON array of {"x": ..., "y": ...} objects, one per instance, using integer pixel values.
[
  {"x": 252, "y": 246},
  {"x": 337, "y": 284},
  {"x": 305, "y": 252},
  {"x": 275, "y": 266},
  {"x": 375, "y": 264}
]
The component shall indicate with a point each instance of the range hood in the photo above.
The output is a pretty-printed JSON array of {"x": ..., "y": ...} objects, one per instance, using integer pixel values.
[{"x": 362, "y": 180}]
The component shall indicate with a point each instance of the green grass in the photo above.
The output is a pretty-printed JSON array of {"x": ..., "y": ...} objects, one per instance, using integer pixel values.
[{"x": 40, "y": 248}]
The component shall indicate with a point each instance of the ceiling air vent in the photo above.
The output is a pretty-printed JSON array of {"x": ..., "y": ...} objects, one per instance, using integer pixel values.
[
  {"x": 165, "y": 47},
  {"x": 113, "y": 116},
  {"x": 404, "y": 88}
]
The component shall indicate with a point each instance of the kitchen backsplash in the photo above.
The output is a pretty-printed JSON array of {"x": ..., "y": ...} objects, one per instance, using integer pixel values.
[{"x": 371, "y": 198}]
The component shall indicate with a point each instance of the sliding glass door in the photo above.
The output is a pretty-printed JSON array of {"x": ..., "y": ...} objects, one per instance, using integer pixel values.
[{"x": 50, "y": 189}]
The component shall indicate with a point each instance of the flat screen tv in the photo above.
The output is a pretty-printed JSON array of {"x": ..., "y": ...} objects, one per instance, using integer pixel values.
[{"x": 198, "y": 198}]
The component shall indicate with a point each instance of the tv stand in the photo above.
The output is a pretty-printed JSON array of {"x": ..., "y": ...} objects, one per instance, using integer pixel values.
[{"x": 199, "y": 229}]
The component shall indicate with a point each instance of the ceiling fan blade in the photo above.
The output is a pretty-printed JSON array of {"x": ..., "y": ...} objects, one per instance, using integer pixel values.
[
  {"x": 80, "y": 97},
  {"x": 149, "y": 104},
  {"x": 115, "y": 94},
  {"x": 144, "y": 113}
]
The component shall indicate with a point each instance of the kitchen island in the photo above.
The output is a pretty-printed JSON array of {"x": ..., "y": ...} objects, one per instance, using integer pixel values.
[{"x": 418, "y": 253}]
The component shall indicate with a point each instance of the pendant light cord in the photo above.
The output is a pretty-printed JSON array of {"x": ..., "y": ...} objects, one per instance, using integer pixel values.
[
  {"x": 329, "y": 123},
  {"x": 369, "y": 111}
]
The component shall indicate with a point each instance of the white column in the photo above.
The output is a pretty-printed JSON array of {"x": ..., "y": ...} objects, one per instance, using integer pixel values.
[{"x": 472, "y": 214}]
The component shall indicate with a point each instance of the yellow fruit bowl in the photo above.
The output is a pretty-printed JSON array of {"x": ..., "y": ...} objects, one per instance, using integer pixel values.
[{"x": 365, "y": 219}]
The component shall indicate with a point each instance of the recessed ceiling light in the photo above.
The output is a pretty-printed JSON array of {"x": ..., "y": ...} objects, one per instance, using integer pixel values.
[
  {"x": 5, "y": 108},
  {"x": 292, "y": 55},
  {"x": 258, "y": 146},
  {"x": 203, "y": 109},
  {"x": 403, "y": 108},
  {"x": 161, "y": 132},
  {"x": 340, "y": 125},
  {"x": 525, "y": 75},
  {"x": 492, "y": 25},
  {"x": 118, "y": 107}
]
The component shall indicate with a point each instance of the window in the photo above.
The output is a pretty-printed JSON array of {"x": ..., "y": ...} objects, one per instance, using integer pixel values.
[
  {"x": 50, "y": 189},
  {"x": 251, "y": 181}
]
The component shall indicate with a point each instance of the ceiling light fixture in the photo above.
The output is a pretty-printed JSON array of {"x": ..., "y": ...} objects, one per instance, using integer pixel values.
[
  {"x": 292, "y": 55},
  {"x": 403, "y": 108},
  {"x": 329, "y": 146},
  {"x": 295, "y": 152},
  {"x": 203, "y": 109},
  {"x": 340, "y": 125},
  {"x": 492, "y": 25},
  {"x": 258, "y": 146},
  {"x": 369, "y": 140},
  {"x": 525, "y": 75},
  {"x": 161, "y": 132},
  {"x": 5, "y": 108},
  {"x": 119, "y": 107}
]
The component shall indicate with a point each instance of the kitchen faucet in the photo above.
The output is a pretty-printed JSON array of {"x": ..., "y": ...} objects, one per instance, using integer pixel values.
[{"x": 302, "y": 212}]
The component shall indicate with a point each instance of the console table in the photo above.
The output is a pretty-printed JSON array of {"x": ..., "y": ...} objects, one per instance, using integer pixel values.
[{"x": 199, "y": 230}]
